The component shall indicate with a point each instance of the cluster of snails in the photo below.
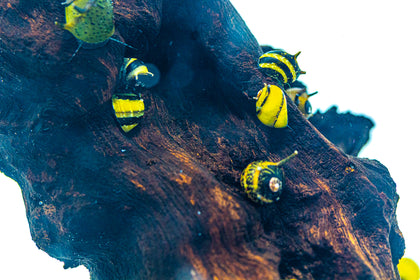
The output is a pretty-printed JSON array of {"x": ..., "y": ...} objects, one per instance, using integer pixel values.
[
  {"x": 92, "y": 24},
  {"x": 271, "y": 106},
  {"x": 263, "y": 180}
]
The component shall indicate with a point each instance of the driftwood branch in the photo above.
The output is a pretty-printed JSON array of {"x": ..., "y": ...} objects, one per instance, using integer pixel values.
[
  {"x": 347, "y": 131},
  {"x": 164, "y": 201}
]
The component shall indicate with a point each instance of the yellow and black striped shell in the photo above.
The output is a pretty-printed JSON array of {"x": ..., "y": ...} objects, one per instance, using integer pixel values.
[
  {"x": 280, "y": 65},
  {"x": 90, "y": 21},
  {"x": 136, "y": 73},
  {"x": 263, "y": 181},
  {"x": 271, "y": 106},
  {"x": 128, "y": 109},
  {"x": 299, "y": 95},
  {"x": 127, "y": 103}
]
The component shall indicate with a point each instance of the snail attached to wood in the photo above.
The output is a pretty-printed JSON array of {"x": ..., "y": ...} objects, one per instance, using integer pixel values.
[
  {"x": 263, "y": 181},
  {"x": 271, "y": 106},
  {"x": 91, "y": 22},
  {"x": 128, "y": 109},
  {"x": 281, "y": 66},
  {"x": 298, "y": 93},
  {"x": 135, "y": 73},
  {"x": 271, "y": 103},
  {"x": 127, "y": 102}
]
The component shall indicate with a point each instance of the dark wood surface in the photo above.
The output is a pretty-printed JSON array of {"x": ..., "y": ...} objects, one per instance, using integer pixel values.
[
  {"x": 349, "y": 132},
  {"x": 164, "y": 201}
]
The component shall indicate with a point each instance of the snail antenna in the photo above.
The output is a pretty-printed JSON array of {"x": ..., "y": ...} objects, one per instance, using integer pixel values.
[
  {"x": 283, "y": 161},
  {"x": 312, "y": 94},
  {"x": 122, "y": 43},
  {"x": 76, "y": 51}
]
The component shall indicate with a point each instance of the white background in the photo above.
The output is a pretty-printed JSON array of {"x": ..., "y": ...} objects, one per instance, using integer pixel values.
[{"x": 360, "y": 55}]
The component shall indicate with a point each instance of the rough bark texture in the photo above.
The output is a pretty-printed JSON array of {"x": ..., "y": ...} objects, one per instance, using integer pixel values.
[
  {"x": 164, "y": 201},
  {"x": 347, "y": 131}
]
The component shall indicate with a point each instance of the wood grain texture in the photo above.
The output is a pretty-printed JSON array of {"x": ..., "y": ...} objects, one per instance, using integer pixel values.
[{"x": 164, "y": 201}]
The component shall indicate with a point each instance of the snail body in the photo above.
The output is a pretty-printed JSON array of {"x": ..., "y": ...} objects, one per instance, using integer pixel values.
[
  {"x": 263, "y": 181},
  {"x": 299, "y": 95},
  {"x": 280, "y": 65},
  {"x": 91, "y": 22},
  {"x": 271, "y": 106},
  {"x": 128, "y": 109},
  {"x": 135, "y": 73},
  {"x": 408, "y": 269},
  {"x": 134, "y": 68},
  {"x": 127, "y": 102}
]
